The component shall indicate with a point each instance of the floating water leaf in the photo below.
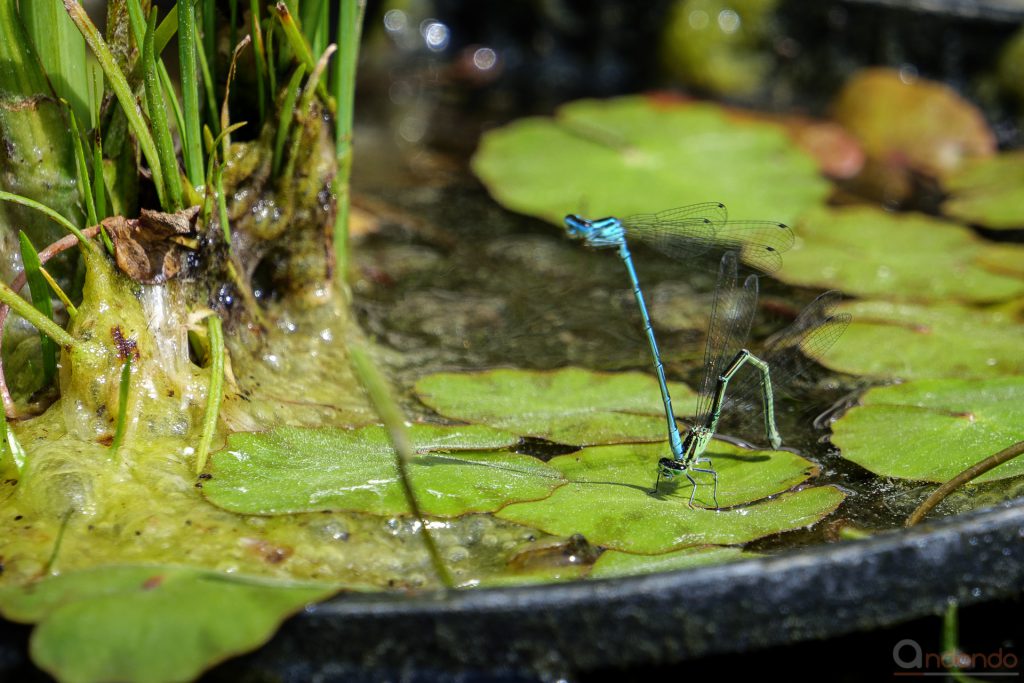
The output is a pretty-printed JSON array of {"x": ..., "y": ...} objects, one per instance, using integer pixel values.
[
  {"x": 608, "y": 499},
  {"x": 291, "y": 469},
  {"x": 571, "y": 406},
  {"x": 614, "y": 563},
  {"x": 634, "y": 155},
  {"x": 988, "y": 192},
  {"x": 931, "y": 430},
  {"x": 868, "y": 252},
  {"x": 149, "y": 623},
  {"x": 912, "y": 122},
  {"x": 927, "y": 342}
]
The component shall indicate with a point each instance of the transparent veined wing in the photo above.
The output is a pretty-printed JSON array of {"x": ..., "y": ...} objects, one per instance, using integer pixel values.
[
  {"x": 732, "y": 313},
  {"x": 688, "y": 232},
  {"x": 790, "y": 354}
]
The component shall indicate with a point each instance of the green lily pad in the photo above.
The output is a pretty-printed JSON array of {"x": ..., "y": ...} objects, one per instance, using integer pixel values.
[
  {"x": 989, "y": 192},
  {"x": 571, "y": 405},
  {"x": 927, "y": 342},
  {"x": 633, "y": 155},
  {"x": 868, "y": 252},
  {"x": 149, "y": 623},
  {"x": 614, "y": 563},
  {"x": 608, "y": 499},
  {"x": 291, "y": 469},
  {"x": 931, "y": 430}
]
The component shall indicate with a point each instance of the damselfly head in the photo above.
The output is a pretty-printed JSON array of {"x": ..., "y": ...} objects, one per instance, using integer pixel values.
[
  {"x": 577, "y": 225},
  {"x": 668, "y": 468}
]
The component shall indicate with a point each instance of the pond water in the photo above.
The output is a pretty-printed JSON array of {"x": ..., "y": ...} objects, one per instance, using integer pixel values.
[{"x": 447, "y": 280}]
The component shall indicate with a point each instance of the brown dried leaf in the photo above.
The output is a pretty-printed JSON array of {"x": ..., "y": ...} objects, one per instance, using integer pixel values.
[
  {"x": 151, "y": 248},
  {"x": 912, "y": 123}
]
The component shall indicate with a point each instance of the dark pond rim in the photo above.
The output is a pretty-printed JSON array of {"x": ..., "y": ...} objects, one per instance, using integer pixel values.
[
  {"x": 814, "y": 593},
  {"x": 553, "y": 631}
]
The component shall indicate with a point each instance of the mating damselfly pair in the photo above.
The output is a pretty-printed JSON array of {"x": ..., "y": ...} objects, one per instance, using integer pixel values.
[{"x": 685, "y": 234}]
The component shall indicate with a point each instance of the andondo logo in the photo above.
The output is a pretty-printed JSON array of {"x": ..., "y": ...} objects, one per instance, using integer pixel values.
[{"x": 912, "y": 660}]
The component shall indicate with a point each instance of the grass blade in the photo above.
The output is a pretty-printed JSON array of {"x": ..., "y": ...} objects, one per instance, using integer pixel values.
[
  {"x": 70, "y": 307},
  {"x": 158, "y": 110},
  {"x": 222, "y": 206},
  {"x": 294, "y": 36},
  {"x": 40, "y": 293},
  {"x": 225, "y": 122},
  {"x": 271, "y": 61},
  {"x": 121, "y": 89},
  {"x": 315, "y": 21},
  {"x": 233, "y": 21},
  {"x": 209, "y": 13},
  {"x": 261, "y": 58},
  {"x": 209, "y": 90},
  {"x": 192, "y": 146},
  {"x": 214, "y": 177},
  {"x": 171, "y": 96},
  {"x": 96, "y": 83},
  {"x": 19, "y": 68},
  {"x": 286, "y": 115},
  {"x": 137, "y": 21},
  {"x": 84, "y": 184},
  {"x": 98, "y": 187},
  {"x": 350, "y": 21},
  {"x": 215, "y": 393},
  {"x": 301, "y": 49},
  {"x": 303, "y": 111},
  {"x": 61, "y": 52},
  {"x": 166, "y": 30},
  {"x": 158, "y": 118}
]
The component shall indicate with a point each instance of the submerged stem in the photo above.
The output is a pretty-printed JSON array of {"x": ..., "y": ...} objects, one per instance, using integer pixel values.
[
  {"x": 972, "y": 472},
  {"x": 389, "y": 412}
]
